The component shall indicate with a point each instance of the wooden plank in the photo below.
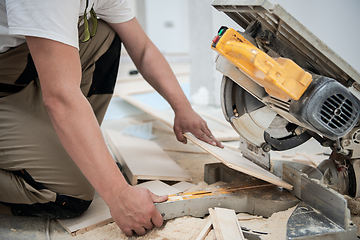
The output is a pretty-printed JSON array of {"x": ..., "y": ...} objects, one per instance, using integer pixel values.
[
  {"x": 230, "y": 158},
  {"x": 159, "y": 188},
  {"x": 211, "y": 235},
  {"x": 185, "y": 151},
  {"x": 204, "y": 230},
  {"x": 97, "y": 215},
  {"x": 225, "y": 224},
  {"x": 143, "y": 159},
  {"x": 183, "y": 186},
  {"x": 225, "y": 135},
  {"x": 235, "y": 160}
]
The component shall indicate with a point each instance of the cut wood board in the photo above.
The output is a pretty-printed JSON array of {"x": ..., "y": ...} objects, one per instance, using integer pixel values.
[
  {"x": 230, "y": 158},
  {"x": 225, "y": 135},
  {"x": 185, "y": 151},
  {"x": 225, "y": 224},
  {"x": 211, "y": 235},
  {"x": 97, "y": 215},
  {"x": 143, "y": 159},
  {"x": 204, "y": 230},
  {"x": 183, "y": 186},
  {"x": 159, "y": 188},
  {"x": 235, "y": 160}
]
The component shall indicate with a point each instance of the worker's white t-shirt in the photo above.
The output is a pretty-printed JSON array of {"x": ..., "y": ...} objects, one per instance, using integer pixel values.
[{"x": 53, "y": 19}]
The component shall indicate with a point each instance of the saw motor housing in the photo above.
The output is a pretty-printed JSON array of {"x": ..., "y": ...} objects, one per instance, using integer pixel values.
[{"x": 327, "y": 107}]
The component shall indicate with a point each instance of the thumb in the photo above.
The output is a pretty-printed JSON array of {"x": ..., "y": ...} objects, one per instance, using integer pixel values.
[
  {"x": 179, "y": 135},
  {"x": 157, "y": 199}
]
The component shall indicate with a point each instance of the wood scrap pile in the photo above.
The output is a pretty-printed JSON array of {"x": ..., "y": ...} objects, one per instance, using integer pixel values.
[{"x": 224, "y": 223}]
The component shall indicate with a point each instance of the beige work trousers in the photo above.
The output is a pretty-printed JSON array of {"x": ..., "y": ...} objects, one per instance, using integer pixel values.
[{"x": 35, "y": 169}]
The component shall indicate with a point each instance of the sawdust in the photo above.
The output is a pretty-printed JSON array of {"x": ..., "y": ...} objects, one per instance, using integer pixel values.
[
  {"x": 176, "y": 229},
  {"x": 186, "y": 228},
  {"x": 353, "y": 205},
  {"x": 275, "y": 225}
]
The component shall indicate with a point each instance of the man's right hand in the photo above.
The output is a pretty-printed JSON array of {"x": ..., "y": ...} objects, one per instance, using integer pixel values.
[
  {"x": 133, "y": 209},
  {"x": 59, "y": 68}
]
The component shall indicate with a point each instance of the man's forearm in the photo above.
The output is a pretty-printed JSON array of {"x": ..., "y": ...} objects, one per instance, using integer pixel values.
[{"x": 80, "y": 134}]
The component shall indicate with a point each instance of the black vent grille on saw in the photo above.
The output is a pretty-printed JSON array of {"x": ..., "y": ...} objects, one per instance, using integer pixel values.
[{"x": 337, "y": 113}]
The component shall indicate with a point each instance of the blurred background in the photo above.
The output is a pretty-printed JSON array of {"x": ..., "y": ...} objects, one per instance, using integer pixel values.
[{"x": 183, "y": 30}]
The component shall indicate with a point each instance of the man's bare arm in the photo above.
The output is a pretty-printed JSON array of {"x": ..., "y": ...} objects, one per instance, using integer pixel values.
[
  {"x": 155, "y": 69},
  {"x": 59, "y": 69}
]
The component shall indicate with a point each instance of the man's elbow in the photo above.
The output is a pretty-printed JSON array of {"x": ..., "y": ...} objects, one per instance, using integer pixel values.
[
  {"x": 52, "y": 104},
  {"x": 57, "y": 102}
]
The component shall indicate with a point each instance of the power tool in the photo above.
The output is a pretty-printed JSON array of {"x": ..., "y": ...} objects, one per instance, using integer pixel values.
[{"x": 282, "y": 86}]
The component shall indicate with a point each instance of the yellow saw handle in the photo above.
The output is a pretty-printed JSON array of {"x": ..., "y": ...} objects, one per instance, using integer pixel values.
[{"x": 281, "y": 77}]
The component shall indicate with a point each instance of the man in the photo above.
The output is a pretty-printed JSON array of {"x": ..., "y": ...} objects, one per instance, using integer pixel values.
[{"x": 53, "y": 95}]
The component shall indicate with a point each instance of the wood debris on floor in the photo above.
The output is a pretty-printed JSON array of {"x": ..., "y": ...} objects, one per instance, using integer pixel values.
[
  {"x": 142, "y": 159},
  {"x": 225, "y": 224},
  {"x": 272, "y": 228},
  {"x": 99, "y": 215},
  {"x": 186, "y": 227}
]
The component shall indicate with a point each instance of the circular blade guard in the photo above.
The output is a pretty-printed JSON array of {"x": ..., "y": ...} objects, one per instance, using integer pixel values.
[{"x": 256, "y": 122}]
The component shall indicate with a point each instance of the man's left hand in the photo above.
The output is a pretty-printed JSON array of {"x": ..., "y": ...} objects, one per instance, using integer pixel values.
[{"x": 189, "y": 121}]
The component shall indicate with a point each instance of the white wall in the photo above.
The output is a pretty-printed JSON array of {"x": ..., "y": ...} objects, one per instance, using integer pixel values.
[
  {"x": 167, "y": 25},
  {"x": 205, "y": 81},
  {"x": 334, "y": 22}
]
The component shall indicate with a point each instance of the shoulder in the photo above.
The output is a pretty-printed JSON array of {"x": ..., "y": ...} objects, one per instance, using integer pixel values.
[
  {"x": 56, "y": 20},
  {"x": 113, "y": 11}
]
